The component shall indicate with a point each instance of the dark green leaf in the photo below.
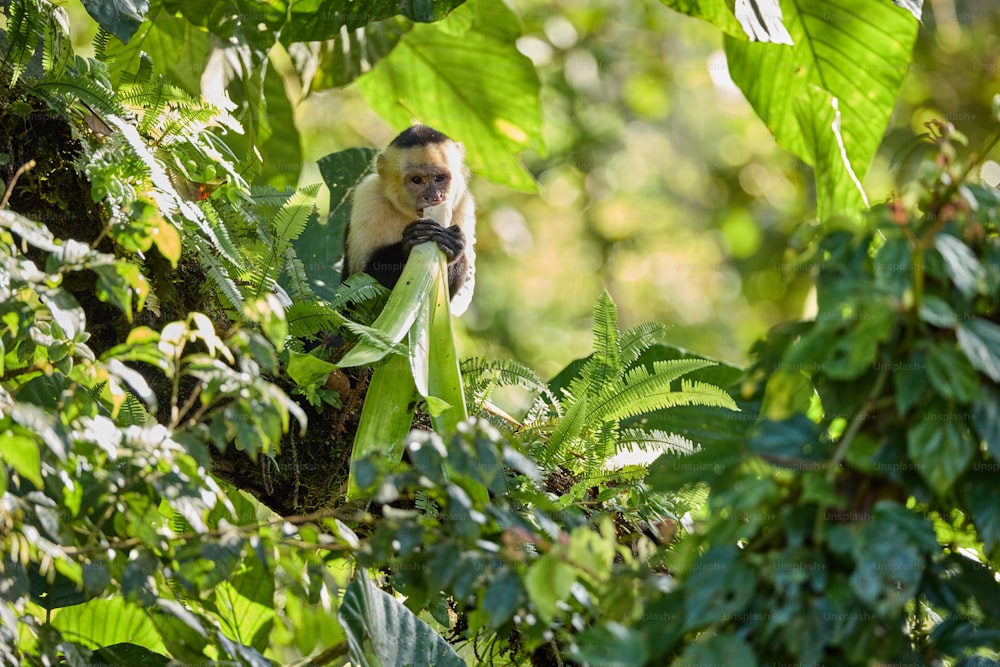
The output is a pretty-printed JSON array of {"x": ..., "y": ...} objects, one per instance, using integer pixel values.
[
  {"x": 719, "y": 650},
  {"x": 381, "y": 631},
  {"x": 130, "y": 654},
  {"x": 119, "y": 17},
  {"x": 980, "y": 340},
  {"x": 503, "y": 597},
  {"x": 961, "y": 264},
  {"x": 720, "y": 585},
  {"x": 942, "y": 447},
  {"x": 986, "y": 418},
  {"x": 612, "y": 645},
  {"x": 951, "y": 374},
  {"x": 790, "y": 443}
]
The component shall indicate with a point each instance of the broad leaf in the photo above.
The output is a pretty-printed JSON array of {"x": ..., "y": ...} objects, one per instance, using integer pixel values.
[
  {"x": 436, "y": 74},
  {"x": 381, "y": 631},
  {"x": 119, "y": 17},
  {"x": 104, "y": 622},
  {"x": 321, "y": 245},
  {"x": 980, "y": 341},
  {"x": 943, "y": 446},
  {"x": 857, "y": 51}
]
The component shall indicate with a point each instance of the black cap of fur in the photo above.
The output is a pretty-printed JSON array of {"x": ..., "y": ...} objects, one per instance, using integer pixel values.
[{"x": 419, "y": 135}]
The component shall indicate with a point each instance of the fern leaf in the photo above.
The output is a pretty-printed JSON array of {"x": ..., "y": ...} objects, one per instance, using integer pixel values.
[
  {"x": 306, "y": 318},
  {"x": 567, "y": 429},
  {"x": 654, "y": 393},
  {"x": 482, "y": 376},
  {"x": 357, "y": 289},
  {"x": 374, "y": 337},
  {"x": 298, "y": 281},
  {"x": 227, "y": 288},
  {"x": 607, "y": 356},
  {"x": 640, "y": 338},
  {"x": 600, "y": 449},
  {"x": 670, "y": 370},
  {"x": 287, "y": 225}
]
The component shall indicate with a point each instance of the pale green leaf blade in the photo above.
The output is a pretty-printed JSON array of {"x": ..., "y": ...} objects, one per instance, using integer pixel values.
[{"x": 403, "y": 306}]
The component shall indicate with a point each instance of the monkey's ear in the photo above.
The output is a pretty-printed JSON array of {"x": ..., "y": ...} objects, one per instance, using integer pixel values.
[
  {"x": 461, "y": 148},
  {"x": 380, "y": 164}
]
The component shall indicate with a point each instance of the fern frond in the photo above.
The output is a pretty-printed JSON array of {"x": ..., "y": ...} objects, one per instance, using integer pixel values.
[
  {"x": 669, "y": 370},
  {"x": 607, "y": 356},
  {"x": 25, "y": 28},
  {"x": 482, "y": 376},
  {"x": 640, "y": 338},
  {"x": 374, "y": 337},
  {"x": 298, "y": 281},
  {"x": 653, "y": 393},
  {"x": 227, "y": 288},
  {"x": 567, "y": 429},
  {"x": 655, "y": 439},
  {"x": 86, "y": 90},
  {"x": 217, "y": 234},
  {"x": 358, "y": 288},
  {"x": 287, "y": 225},
  {"x": 100, "y": 43},
  {"x": 306, "y": 318},
  {"x": 600, "y": 449}
]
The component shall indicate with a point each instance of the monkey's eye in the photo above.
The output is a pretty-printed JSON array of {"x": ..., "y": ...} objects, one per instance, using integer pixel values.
[
  {"x": 440, "y": 178},
  {"x": 416, "y": 180}
]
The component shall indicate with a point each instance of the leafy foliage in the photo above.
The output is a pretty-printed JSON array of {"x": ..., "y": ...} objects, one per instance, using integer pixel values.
[{"x": 834, "y": 503}]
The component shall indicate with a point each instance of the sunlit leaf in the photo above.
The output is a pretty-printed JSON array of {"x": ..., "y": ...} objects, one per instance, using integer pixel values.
[{"x": 857, "y": 52}]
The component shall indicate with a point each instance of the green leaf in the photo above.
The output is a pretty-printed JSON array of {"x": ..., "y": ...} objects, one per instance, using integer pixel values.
[
  {"x": 942, "y": 447},
  {"x": 24, "y": 455},
  {"x": 130, "y": 654},
  {"x": 177, "y": 49},
  {"x": 838, "y": 187},
  {"x": 548, "y": 582},
  {"x": 108, "y": 621},
  {"x": 716, "y": 12},
  {"x": 119, "y": 17},
  {"x": 407, "y": 298},
  {"x": 385, "y": 416},
  {"x": 306, "y": 369},
  {"x": 245, "y": 604},
  {"x": 857, "y": 53},
  {"x": 381, "y": 631},
  {"x": 951, "y": 374},
  {"x": 436, "y": 74},
  {"x": 718, "y": 650},
  {"x": 791, "y": 442},
  {"x": 611, "y": 644},
  {"x": 980, "y": 340},
  {"x": 962, "y": 265},
  {"x": 503, "y": 597},
  {"x": 986, "y": 418}
]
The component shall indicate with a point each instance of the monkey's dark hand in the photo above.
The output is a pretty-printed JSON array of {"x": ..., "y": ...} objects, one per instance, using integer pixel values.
[{"x": 451, "y": 240}]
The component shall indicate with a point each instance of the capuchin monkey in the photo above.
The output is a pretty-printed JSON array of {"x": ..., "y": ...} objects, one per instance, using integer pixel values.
[{"x": 420, "y": 170}]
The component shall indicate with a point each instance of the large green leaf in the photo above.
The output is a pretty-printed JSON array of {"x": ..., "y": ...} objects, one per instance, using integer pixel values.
[
  {"x": 381, "y": 631},
  {"x": 759, "y": 20},
  {"x": 943, "y": 446},
  {"x": 108, "y": 621},
  {"x": 438, "y": 75},
  {"x": 119, "y": 17},
  {"x": 174, "y": 46},
  {"x": 315, "y": 20},
  {"x": 857, "y": 52}
]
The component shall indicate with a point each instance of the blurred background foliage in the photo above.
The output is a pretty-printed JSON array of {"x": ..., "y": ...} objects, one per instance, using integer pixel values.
[{"x": 658, "y": 182}]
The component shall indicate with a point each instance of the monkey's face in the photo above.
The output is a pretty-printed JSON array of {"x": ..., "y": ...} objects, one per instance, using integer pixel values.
[{"x": 427, "y": 185}]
